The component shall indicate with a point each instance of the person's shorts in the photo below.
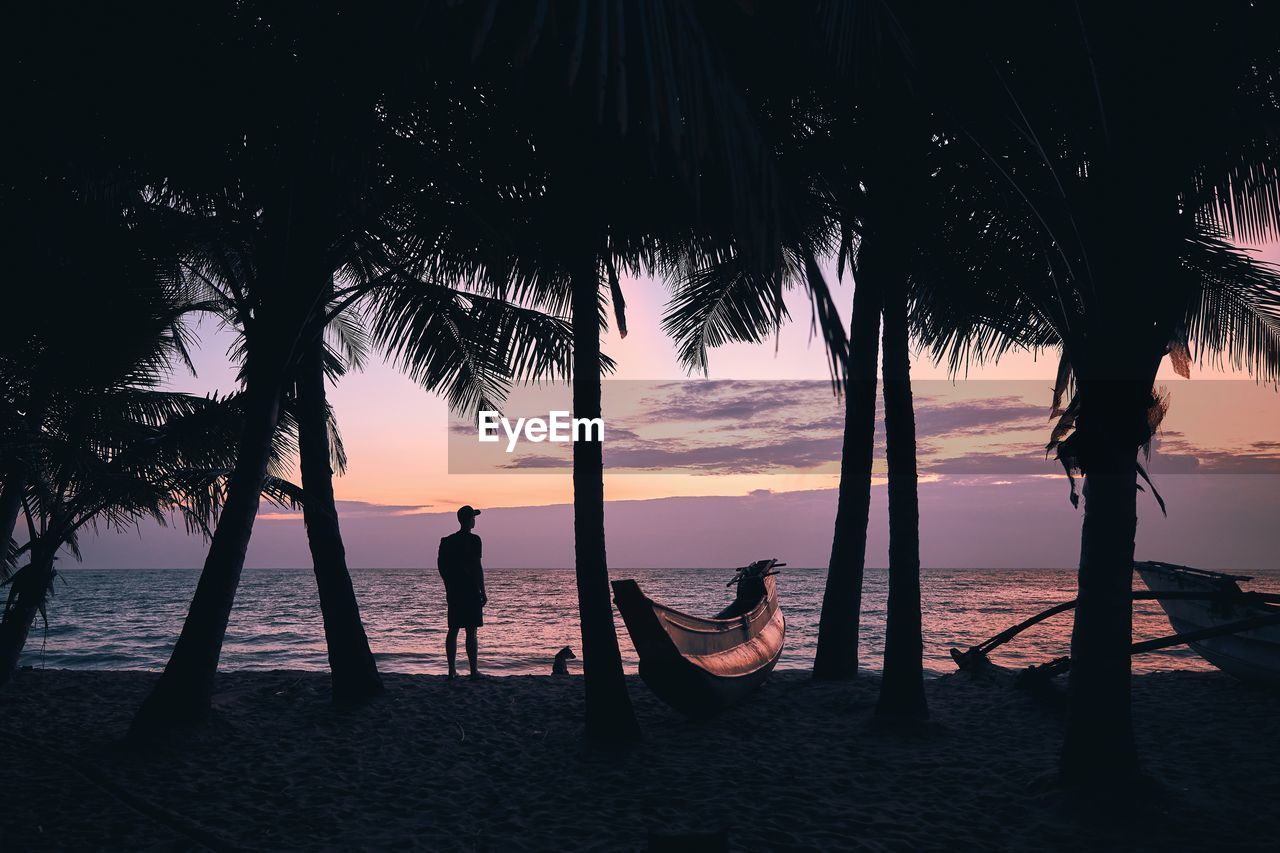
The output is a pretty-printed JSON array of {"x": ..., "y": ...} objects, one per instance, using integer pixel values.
[{"x": 465, "y": 612}]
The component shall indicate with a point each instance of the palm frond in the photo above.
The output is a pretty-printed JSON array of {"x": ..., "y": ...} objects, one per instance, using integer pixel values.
[
  {"x": 346, "y": 335},
  {"x": 467, "y": 345},
  {"x": 720, "y": 303},
  {"x": 1234, "y": 318},
  {"x": 825, "y": 321}
]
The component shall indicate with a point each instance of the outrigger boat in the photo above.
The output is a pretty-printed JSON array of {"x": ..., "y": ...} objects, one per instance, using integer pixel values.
[
  {"x": 1237, "y": 631},
  {"x": 701, "y": 666}
]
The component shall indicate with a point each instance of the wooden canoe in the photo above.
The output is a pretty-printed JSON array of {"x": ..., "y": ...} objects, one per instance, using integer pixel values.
[
  {"x": 1252, "y": 655},
  {"x": 701, "y": 666}
]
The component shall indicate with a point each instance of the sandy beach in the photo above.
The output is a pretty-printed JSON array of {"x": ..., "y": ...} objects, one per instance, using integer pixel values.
[{"x": 498, "y": 764}]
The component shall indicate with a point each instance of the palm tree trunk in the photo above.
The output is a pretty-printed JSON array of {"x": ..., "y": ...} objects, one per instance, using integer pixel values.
[
  {"x": 183, "y": 693},
  {"x": 353, "y": 670},
  {"x": 609, "y": 715},
  {"x": 902, "y": 686},
  {"x": 28, "y": 592},
  {"x": 837, "y": 653},
  {"x": 1099, "y": 748}
]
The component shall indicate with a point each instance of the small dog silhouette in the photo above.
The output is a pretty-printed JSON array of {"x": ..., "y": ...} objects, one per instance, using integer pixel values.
[{"x": 561, "y": 665}]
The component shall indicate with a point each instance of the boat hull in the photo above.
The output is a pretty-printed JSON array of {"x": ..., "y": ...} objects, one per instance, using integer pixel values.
[
  {"x": 701, "y": 666},
  {"x": 1249, "y": 655}
]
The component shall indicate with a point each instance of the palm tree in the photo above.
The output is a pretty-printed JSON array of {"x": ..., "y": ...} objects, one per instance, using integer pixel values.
[
  {"x": 620, "y": 145},
  {"x": 88, "y": 437},
  {"x": 1124, "y": 170},
  {"x": 847, "y": 154},
  {"x": 289, "y": 152},
  {"x": 609, "y": 714},
  {"x": 126, "y": 453},
  {"x": 872, "y": 152},
  {"x": 299, "y": 129},
  {"x": 219, "y": 269},
  {"x": 836, "y": 655},
  {"x": 902, "y": 696},
  {"x": 317, "y": 197},
  {"x": 893, "y": 241},
  {"x": 448, "y": 339},
  {"x": 267, "y": 163},
  {"x": 183, "y": 690},
  {"x": 352, "y": 667}
]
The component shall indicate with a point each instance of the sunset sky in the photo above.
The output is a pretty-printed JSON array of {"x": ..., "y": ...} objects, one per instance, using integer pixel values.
[{"x": 758, "y": 463}]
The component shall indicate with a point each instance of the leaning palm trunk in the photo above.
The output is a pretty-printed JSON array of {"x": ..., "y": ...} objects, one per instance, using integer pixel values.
[
  {"x": 354, "y": 672},
  {"x": 184, "y": 691},
  {"x": 837, "y": 653},
  {"x": 290, "y": 285},
  {"x": 902, "y": 685},
  {"x": 609, "y": 715},
  {"x": 29, "y": 589},
  {"x": 1099, "y": 746}
]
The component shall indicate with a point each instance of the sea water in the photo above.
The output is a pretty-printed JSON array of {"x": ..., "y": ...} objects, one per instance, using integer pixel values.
[{"x": 129, "y": 619}]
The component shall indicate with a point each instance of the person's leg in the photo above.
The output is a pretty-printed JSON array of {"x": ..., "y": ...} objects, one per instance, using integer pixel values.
[
  {"x": 451, "y": 649},
  {"x": 471, "y": 649}
]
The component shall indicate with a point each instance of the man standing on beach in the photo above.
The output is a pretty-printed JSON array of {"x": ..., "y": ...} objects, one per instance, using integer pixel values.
[{"x": 459, "y": 564}]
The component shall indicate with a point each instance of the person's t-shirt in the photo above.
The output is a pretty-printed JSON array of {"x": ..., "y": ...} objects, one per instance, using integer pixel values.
[{"x": 459, "y": 564}]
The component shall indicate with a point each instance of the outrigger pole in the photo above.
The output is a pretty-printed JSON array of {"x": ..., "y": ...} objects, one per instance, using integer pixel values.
[
  {"x": 1062, "y": 664},
  {"x": 975, "y": 656}
]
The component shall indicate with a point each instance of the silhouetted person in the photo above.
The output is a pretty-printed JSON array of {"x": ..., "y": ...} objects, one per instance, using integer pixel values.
[{"x": 459, "y": 564}]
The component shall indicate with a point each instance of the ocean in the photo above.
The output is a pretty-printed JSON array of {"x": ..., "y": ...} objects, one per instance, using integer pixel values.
[{"x": 129, "y": 619}]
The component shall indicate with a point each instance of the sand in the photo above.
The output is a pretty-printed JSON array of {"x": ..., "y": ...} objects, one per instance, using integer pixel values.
[{"x": 498, "y": 764}]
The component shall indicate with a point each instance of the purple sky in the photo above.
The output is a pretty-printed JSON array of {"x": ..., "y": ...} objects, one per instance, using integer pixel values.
[
  {"x": 718, "y": 474},
  {"x": 1215, "y": 521}
]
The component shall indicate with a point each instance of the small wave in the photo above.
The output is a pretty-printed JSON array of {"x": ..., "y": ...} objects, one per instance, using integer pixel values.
[{"x": 72, "y": 660}]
